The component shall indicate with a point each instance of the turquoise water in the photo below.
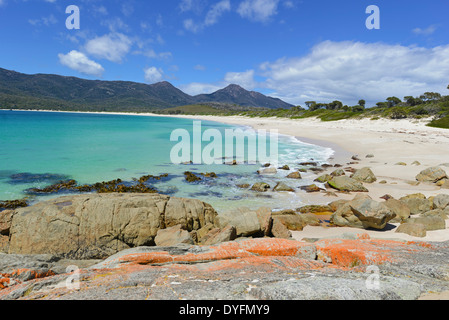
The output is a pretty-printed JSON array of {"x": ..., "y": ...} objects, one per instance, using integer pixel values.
[{"x": 38, "y": 149}]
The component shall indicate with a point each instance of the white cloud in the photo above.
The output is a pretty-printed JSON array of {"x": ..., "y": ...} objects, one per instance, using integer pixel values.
[
  {"x": 191, "y": 26},
  {"x": 243, "y": 79},
  {"x": 196, "y": 88},
  {"x": 426, "y": 32},
  {"x": 211, "y": 18},
  {"x": 47, "y": 21},
  {"x": 258, "y": 10},
  {"x": 150, "y": 53},
  {"x": 350, "y": 71},
  {"x": 216, "y": 11},
  {"x": 199, "y": 67},
  {"x": 112, "y": 47},
  {"x": 80, "y": 62},
  {"x": 153, "y": 74}
]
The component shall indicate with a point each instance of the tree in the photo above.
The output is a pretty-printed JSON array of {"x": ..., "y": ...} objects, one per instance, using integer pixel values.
[
  {"x": 310, "y": 103},
  {"x": 393, "y": 101},
  {"x": 335, "y": 105},
  {"x": 362, "y": 103},
  {"x": 430, "y": 96},
  {"x": 358, "y": 108},
  {"x": 297, "y": 108}
]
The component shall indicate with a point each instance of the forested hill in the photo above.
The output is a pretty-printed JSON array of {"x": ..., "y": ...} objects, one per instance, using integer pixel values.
[{"x": 54, "y": 92}]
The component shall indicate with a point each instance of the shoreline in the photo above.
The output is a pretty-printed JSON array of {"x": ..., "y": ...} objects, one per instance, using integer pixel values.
[{"x": 389, "y": 141}]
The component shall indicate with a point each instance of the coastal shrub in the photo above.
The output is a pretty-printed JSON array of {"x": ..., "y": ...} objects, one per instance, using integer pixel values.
[
  {"x": 440, "y": 123},
  {"x": 396, "y": 113}
]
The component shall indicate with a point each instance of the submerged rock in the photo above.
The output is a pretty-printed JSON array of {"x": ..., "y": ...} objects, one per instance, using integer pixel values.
[
  {"x": 260, "y": 187},
  {"x": 283, "y": 187},
  {"x": 294, "y": 175},
  {"x": 191, "y": 177}
]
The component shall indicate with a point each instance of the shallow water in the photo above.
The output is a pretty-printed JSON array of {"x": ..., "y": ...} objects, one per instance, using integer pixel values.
[{"x": 38, "y": 149}]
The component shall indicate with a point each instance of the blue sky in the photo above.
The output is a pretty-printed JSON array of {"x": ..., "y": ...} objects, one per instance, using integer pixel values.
[{"x": 297, "y": 50}]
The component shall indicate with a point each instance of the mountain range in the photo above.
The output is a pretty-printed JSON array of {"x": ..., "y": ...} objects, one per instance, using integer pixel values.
[{"x": 54, "y": 92}]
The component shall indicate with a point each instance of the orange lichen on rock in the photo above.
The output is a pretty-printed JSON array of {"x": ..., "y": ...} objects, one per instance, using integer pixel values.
[
  {"x": 226, "y": 251},
  {"x": 4, "y": 283},
  {"x": 351, "y": 253}
]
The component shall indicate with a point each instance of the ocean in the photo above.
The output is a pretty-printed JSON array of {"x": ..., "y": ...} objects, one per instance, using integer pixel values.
[{"x": 38, "y": 149}]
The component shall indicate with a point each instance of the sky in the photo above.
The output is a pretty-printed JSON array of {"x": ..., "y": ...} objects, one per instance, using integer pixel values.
[{"x": 295, "y": 50}]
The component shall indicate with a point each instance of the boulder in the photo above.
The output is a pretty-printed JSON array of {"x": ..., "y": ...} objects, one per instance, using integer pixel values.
[
  {"x": 335, "y": 205},
  {"x": 245, "y": 221},
  {"x": 201, "y": 233},
  {"x": 280, "y": 230},
  {"x": 344, "y": 183},
  {"x": 294, "y": 175},
  {"x": 362, "y": 212},
  {"x": 430, "y": 222},
  {"x": 267, "y": 171},
  {"x": 436, "y": 213},
  {"x": 311, "y": 188},
  {"x": 338, "y": 173},
  {"x": 172, "y": 236},
  {"x": 316, "y": 209},
  {"x": 398, "y": 207},
  {"x": 283, "y": 187},
  {"x": 291, "y": 221},
  {"x": 265, "y": 220},
  {"x": 216, "y": 236},
  {"x": 95, "y": 226},
  {"x": 372, "y": 214},
  {"x": 260, "y": 187},
  {"x": 417, "y": 203},
  {"x": 413, "y": 229},
  {"x": 432, "y": 174},
  {"x": 441, "y": 201},
  {"x": 323, "y": 178},
  {"x": 364, "y": 175}
]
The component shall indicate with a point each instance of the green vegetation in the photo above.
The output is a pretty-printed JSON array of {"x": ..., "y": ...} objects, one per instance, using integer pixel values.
[{"x": 429, "y": 105}]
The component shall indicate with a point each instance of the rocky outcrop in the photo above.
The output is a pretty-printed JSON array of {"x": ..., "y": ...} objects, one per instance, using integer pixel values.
[
  {"x": 253, "y": 269},
  {"x": 99, "y": 225}
]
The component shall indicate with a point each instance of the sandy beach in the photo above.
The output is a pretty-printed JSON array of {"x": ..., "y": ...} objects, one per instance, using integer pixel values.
[{"x": 390, "y": 141}]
